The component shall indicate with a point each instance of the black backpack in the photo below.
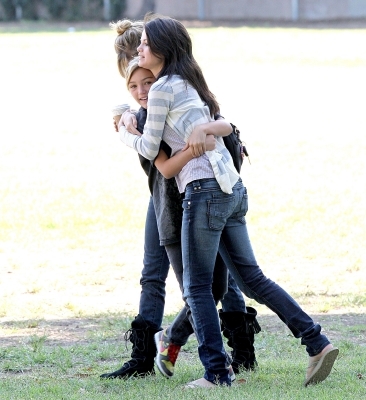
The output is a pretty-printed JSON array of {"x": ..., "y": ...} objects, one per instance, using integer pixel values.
[{"x": 236, "y": 147}]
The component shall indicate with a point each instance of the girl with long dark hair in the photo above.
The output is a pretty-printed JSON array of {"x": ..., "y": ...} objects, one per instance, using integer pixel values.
[{"x": 214, "y": 206}]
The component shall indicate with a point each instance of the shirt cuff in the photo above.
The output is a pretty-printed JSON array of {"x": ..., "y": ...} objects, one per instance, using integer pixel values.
[{"x": 129, "y": 139}]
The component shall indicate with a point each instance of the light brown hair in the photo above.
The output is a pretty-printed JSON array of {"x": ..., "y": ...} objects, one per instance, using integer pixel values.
[
  {"x": 127, "y": 40},
  {"x": 132, "y": 66}
]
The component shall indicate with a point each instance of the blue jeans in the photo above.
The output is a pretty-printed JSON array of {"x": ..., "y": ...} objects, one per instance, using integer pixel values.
[
  {"x": 154, "y": 273},
  {"x": 233, "y": 299},
  {"x": 212, "y": 220},
  {"x": 182, "y": 326}
]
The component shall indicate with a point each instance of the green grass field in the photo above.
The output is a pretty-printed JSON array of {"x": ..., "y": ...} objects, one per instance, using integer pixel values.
[{"x": 73, "y": 200}]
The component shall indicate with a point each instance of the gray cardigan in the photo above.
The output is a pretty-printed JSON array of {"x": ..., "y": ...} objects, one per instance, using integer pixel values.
[{"x": 166, "y": 197}]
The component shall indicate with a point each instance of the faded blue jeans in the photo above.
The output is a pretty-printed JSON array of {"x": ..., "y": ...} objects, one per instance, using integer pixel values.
[
  {"x": 222, "y": 285},
  {"x": 154, "y": 273},
  {"x": 153, "y": 278},
  {"x": 213, "y": 219}
]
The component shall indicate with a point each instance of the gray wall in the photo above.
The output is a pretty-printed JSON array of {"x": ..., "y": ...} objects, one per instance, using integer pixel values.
[{"x": 280, "y": 10}]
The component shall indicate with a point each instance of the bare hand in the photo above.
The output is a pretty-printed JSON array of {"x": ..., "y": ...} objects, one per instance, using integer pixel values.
[
  {"x": 210, "y": 142},
  {"x": 129, "y": 121},
  {"x": 197, "y": 141}
]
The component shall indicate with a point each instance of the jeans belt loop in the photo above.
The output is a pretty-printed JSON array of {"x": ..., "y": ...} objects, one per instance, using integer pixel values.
[{"x": 196, "y": 185}]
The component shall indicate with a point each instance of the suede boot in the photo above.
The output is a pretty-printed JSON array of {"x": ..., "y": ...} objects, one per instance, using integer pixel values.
[
  {"x": 141, "y": 335},
  {"x": 239, "y": 328}
]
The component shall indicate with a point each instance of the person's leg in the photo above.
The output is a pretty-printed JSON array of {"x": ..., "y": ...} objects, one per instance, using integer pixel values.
[
  {"x": 257, "y": 286},
  {"x": 181, "y": 329},
  {"x": 170, "y": 340},
  {"x": 239, "y": 325},
  {"x": 220, "y": 281},
  {"x": 154, "y": 273},
  {"x": 151, "y": 307},
  {"x": 182, "y": 326},
  {"x": 251, "y": 280},
  {"x": 200, "y": 244},
  {"x": 233, "y": 299},
  {"x": 239, "y": 328}
]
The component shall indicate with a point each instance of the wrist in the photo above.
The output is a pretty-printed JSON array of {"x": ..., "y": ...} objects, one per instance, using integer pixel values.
[
  {"x": 205, "y": 129},
  {"x": 122, "y": 121}
]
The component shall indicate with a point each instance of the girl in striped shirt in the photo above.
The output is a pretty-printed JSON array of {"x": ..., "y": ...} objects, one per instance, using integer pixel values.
[{"x": 214, "y": 206}]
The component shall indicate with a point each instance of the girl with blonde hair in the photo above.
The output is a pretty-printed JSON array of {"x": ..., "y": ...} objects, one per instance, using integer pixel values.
[{"x": 126, "y": 42}]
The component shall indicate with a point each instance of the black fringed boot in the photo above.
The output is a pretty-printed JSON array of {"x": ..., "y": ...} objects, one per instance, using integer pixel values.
[
  {"x": 141, "y": 335},
  {"x": 239, "y": 328}
]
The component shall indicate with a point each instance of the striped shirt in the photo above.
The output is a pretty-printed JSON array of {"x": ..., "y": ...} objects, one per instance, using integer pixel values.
[{"x": 174, "y": 110}]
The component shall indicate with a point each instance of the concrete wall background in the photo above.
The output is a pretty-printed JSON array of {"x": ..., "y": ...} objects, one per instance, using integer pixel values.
[{"x": 276, "y": 10}]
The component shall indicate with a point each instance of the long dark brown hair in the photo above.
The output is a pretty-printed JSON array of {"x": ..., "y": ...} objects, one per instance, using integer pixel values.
[{"x": 169, "y": 40}]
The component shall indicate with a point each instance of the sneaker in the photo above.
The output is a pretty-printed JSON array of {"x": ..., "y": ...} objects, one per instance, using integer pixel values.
[
  {"x": 200, "y": 383},
  {"x": 167, "y": 354},
  {"x": 203, "y": 383},
  {"x": 320, "y": 365}
]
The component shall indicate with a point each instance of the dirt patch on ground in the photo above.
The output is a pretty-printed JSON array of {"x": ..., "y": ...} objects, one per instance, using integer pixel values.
[
  {"x": 58, "y": 332},
  {"x": 68, "y": 332}
]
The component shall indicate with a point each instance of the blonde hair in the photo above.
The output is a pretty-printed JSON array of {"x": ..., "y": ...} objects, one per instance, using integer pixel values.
[
  {"x": 127, "y": 41},
  {"x": 132, "y": 66}
]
